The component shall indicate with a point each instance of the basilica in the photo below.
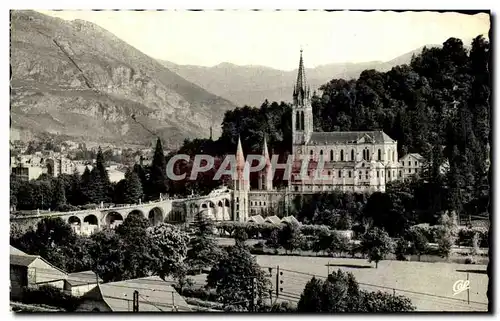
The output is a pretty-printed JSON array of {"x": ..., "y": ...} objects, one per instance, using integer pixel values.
[{"x": 358, "y": 161}]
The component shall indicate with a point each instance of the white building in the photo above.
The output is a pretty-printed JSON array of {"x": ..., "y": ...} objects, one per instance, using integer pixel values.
[{"x": 411, "y": 165}]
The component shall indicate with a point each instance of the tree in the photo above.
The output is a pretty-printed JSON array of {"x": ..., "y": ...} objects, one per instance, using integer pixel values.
[
  {"x": 401, "y": 249},
  {"x": 48, "y": 240},
  {"x": 108, "y": 253},
  {"x": 100, "y": 167},
  {"x": 169, "y": 247},
  {"x": 273, "y": 240},
  {"x": 447, "y": 233},
  {"x": 339, "y": 243},
  {"x": 240, "y": 236},
  {"x": 59, "y": 194},
  {"x": 203, "y": 249},
  {"x": 86, "y": 188},
  {"x": 419, "y": 243},
  {"x": 74, "y": 189},
  {"x": 310, "y": 299},
  {"x": 340, "y": 293},
  {"x": 138, "y": 247},
  {"x": 238, "y": 278},
  {"x": 290, "y": 237},
  {"x": 323, "y": 241},
  {"x": 158, "y": 175},
  {"x": 132, "y": 188},
  {"x": 377, "y": 243}
]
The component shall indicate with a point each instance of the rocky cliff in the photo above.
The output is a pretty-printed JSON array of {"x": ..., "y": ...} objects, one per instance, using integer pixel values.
[{"x": 74, "y": 78}]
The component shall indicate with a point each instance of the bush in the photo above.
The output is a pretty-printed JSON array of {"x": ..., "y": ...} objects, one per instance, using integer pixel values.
[
  {"x": 67, "y": 208},
  {"x": 259, "y": 245},
  {"x": 430, "y": 232},
  {"x": 199, "y": 293},
  {"x": 88, "y": 206},
  {"x": 470, "y": 260},
  {"x": 466, "y": 235},
  {"x": 49, "y": 295},
  {"x": 313, "y": 229}
]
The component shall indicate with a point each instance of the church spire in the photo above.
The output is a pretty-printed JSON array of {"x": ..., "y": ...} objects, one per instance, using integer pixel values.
[
  {"x": 240, "y": 158},
  {"x": 266, "y": 175},
  {"x": 301, "y": 92},
  {"x": 265, "y": 152}
]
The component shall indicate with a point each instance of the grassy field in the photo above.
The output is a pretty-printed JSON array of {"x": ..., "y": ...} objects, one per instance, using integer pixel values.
[{"x": 411, "y": 279}]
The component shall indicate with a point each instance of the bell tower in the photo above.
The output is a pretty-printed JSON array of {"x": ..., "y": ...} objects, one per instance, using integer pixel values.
[{"x": 302, "y": 116}]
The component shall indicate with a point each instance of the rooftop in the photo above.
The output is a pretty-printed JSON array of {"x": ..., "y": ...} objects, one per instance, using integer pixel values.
[
  {"x": 155, "y": 295},
  {"x": 325, "y": 138}
]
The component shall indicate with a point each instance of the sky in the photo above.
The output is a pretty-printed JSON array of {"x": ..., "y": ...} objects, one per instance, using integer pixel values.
[{"x": 274, "y": 38}]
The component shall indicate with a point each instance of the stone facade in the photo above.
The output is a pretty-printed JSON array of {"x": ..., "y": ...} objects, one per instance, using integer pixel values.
[{"x": 322, "y": 162}]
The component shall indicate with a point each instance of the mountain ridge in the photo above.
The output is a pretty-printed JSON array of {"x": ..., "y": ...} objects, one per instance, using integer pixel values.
[
  {"x": 251, "y": 84},
  {"x": 77, "y": 79}
]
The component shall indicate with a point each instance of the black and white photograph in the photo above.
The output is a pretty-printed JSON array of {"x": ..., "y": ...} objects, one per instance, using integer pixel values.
[{"x": 251, "y": 161}]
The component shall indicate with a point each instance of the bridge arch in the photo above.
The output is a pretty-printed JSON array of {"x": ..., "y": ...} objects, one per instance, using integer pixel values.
[
  {"x": 136, "y": 212},
  {"x": 91, "y": 219},
  {"x": 113, "y": 218},
  {"x": 155, "y": 216},
  {"x": 74, "y": 220}
]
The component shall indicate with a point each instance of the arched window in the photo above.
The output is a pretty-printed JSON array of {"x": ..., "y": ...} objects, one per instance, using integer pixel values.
[
  {"x": 379, "y": 155},
  {"x": 367, "y": 155},
  {"x": 393, "y": 156},
  {"x": 352, "y": 154},
  {"x": 349, "y": 174},
  {"x": 342, "y": 155},
  {"x": 340, "y": 174},
  {"x": 331, "y": 155},
  {"x": 321, "y": 154},
  {"x": 297, "y": 121},
  {"x": 364, "y": 154},
  {"x": 311, "y": 152},
  {"x": 302, "y": 120}
]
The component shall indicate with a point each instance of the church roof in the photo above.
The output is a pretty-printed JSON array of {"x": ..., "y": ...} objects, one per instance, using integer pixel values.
[{"x": 325, "y": 138}]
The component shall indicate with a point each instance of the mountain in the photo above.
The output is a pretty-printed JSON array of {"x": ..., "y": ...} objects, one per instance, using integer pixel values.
[
  {"x": 77, "y": 80},
  {"x": 251, "y": 85}
]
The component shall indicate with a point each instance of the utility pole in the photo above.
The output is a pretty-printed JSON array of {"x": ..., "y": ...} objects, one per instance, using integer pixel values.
[
  {"x": 468, "y": 289},
  {"x": 135, "y": 307},
  {"x": 278, "y": 281},
  {"x": 252, "y": 303}
]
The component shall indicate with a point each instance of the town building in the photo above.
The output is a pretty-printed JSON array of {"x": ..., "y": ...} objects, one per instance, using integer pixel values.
[
  {"x": 79, "y": 283},
  {"x": 411, "y": 165},
  {"x": 155, "y": 295},
  {"x": 32, "y": 271}
]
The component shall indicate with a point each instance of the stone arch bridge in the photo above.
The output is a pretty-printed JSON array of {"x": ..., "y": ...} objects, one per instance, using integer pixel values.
[{"x": 218, "y": 207}]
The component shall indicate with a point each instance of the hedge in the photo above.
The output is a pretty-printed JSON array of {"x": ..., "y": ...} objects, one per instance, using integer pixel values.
[{"x": 465, "y": 235}]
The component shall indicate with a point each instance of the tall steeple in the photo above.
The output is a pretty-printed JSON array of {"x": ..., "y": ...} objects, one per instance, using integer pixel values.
[
  {"x": 241, "y": 186},
  {"x": 301, "y": 90},
  {"x": 266, "y": 175},
  {"x": 242, "y": 178},
  {"x": 240, "y": 157},
  {"x": 302, "y": 116}
]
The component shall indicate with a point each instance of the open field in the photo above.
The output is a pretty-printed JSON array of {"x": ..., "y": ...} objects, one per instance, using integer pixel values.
[{"x": 434, "y": 279}]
